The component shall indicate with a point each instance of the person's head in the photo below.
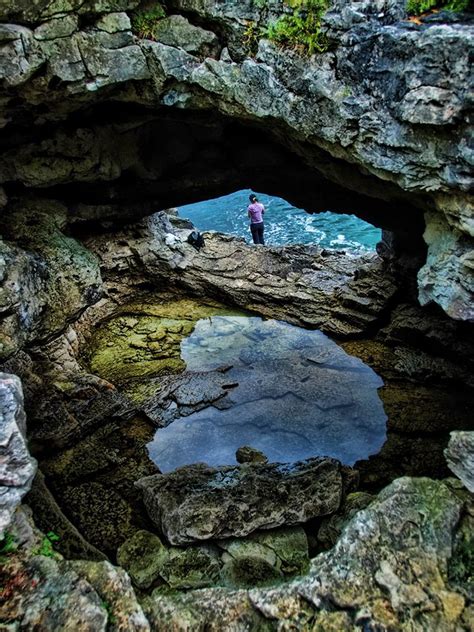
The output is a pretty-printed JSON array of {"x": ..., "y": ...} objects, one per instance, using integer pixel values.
[{"x": 252, "y": 198}]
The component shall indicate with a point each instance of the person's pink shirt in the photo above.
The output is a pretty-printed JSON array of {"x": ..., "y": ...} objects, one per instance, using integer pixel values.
[{"x": 256, "y": 211}]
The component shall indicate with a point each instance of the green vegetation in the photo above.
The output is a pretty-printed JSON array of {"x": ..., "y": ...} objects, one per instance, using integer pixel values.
[
  {"x": 144, "y": 20},
  {"x": 7, "y": 545},
  {"x": 47, "y": 545},
  {"x": 252, "y": 35},
  {"x": 301, "y": 29},
  {"x": 108, "y": 608},
  {"x": 416, "y": 7}
]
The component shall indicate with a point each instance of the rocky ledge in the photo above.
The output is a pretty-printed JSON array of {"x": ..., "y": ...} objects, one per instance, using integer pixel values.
[{"x": 200, "y": 503}]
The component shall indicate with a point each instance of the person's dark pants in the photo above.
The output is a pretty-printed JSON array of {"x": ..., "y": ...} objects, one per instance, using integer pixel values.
[{"x": 257, "y": 233}]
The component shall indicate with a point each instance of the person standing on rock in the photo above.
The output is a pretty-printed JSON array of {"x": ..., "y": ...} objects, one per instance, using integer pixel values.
[{"x": 255, "y": 212}]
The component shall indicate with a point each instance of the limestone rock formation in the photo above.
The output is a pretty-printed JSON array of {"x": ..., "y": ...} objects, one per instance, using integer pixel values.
[
  {"x": 338, "y": 294},
  {"x": 197, "y": 502},
  {"x": 460, "y": 457},
  {"x": 47, "y": 279},
  {"x": 360, "y": 126},
  {"x": 389, "y": 567},
  {"x": 44, "y": 592},
  {"x": 17, "y": 467}
]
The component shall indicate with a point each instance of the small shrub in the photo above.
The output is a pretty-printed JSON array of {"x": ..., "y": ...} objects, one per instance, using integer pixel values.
[
  {"x": 301, "y": 29},
  {"x": 144, "y": 21},
  {"x": 252, "y": 35},
  {"x": 417, "y": 7}
]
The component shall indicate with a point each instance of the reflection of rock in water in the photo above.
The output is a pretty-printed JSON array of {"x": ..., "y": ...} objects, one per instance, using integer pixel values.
[{"x": 298, "y": 395}]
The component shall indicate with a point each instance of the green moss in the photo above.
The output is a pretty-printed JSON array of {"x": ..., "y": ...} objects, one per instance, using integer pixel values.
[
  {"x": 144, "y": 20},
  {"x": 302, "y": 29},
  {"x": 248, "y": 572},
  {"x": 417, "y": 7},
  {"x": 143, "y": 341}
]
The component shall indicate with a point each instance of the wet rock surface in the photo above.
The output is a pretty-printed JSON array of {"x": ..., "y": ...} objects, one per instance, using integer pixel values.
[{"x": 198, "y": 502}]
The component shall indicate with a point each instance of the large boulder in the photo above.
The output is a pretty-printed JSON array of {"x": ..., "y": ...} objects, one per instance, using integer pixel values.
[
  {"x": 198, "y": 502},
  {"x": 17, "y": 467}
]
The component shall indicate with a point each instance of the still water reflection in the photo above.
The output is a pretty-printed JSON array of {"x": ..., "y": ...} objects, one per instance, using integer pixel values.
[{"x": 297, "y": 395}]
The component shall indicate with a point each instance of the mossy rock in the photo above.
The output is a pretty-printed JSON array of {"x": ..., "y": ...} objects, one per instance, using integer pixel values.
[
  {"x": 191, "y": 567},
  {"x": 248, "y": 572},
  {"x": 104, "y": 518},
  {"x": 143, "y": 557},
  {"x": 286, "y": 549},
  {"x": 143, "y": 341}
]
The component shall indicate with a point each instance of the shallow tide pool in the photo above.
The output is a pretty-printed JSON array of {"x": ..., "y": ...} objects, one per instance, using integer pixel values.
[{"x": 293, "y": 394}]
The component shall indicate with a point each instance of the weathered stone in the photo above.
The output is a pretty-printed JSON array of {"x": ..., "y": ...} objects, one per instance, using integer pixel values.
[
  {"x": 338, "y": 294},
  {"x": 116, "y": 593},
  {"x": 198, "y": 502},
  {"x": 460, "y": 457},
  {"x": 176, "y": 31},
  {"x": 447, "y": 277},
  {"x": 142, "y": 556},
  {"x": 49, "y": 517},
  {"x": 48, "y": 281},
  {"x": 247, "y": 454},
  {"x": 17, "y": 467},
  {"x": 331, "y": 528},
  {"x": 149, "y": 562},
  {"x": 369, "y": 119},
  {"x": 388, "y": 570},
  {"x": 285, "y": 550}
]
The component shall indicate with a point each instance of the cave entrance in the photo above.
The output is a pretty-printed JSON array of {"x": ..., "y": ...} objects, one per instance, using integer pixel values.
[{"x": 285, "y": 224}]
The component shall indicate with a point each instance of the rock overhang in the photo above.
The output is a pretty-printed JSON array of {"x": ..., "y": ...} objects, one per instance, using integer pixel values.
[{"x": 364, "y": 115}]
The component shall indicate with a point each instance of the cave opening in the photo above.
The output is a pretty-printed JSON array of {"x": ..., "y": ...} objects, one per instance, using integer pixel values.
[
  {"x": 284, "y": 223},
  {"x": 109, "y": 371}
]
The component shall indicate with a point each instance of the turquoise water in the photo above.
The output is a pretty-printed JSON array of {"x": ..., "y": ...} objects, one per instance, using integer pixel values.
[{"x": 284, "y": 224}]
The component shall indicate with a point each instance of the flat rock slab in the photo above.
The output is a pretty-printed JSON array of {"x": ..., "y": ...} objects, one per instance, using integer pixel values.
[{"x": 198, "y": 502}]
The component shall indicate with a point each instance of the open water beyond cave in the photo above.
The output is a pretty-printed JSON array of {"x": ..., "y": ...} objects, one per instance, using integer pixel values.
[
  {"x": 292, "y": 393},
  {"x": 284, "y": 223}
]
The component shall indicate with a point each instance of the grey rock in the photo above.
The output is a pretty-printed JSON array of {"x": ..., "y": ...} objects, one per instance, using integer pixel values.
[
  {"x": 198, "y": 502},
  {"x": 177, "y": 31},
  {"x": 149, "y": 562},
  {"x": 117, "y": 596},
  {"x": 47, "y": 282},
  {"x": 331, "y": 527},
  {"x": 362, "y": 107},
  {"x": 448, "y": 276},
  {"x": 284, "y": 551},
  {"x": 460, "y": 457},
  {"x": 17, "y": 467},
  {"x": 381, "y": 573}
]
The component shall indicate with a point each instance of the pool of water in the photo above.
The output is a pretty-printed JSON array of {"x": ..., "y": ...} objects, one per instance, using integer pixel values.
[
  {"x": 294, "y": 394},
  {"x": 284, "y": 223}
]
